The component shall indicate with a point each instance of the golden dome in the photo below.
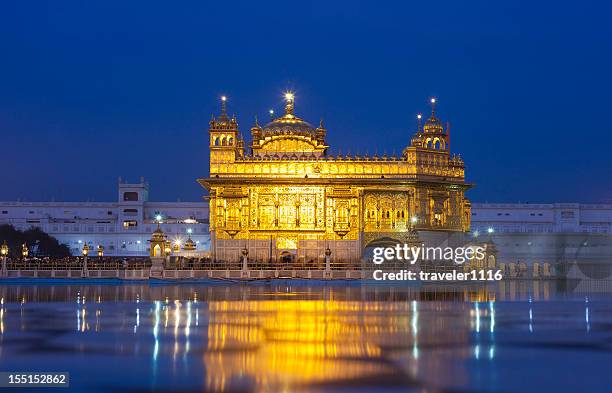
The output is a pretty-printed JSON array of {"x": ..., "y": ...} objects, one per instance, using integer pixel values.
[
  {"x": 158, "y": 235},
  {"x": 433, "y": 124},
  {"x": 289, "y": 123},
  {"x": 189, "y": 245}
]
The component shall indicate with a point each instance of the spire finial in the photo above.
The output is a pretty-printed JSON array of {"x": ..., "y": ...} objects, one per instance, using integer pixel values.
[
  {"x": 256, "y": 123},
  {"x": 321, "y": 124},
  {"x": 289, "y": 97},
  {"x": 223, "y": 107},
  {"x": 419, "y": 117},
  {"x": 433, "y": 106}
]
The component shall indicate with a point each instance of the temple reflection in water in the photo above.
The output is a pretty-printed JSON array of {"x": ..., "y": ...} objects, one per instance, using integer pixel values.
[{"x": 263, "y": 338}]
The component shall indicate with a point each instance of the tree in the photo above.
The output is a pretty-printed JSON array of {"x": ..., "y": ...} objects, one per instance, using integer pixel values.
[{"x": 44, "y": 244}]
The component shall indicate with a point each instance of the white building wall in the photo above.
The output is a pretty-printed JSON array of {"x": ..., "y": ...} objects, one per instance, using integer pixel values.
[
  {"x": 553, "y": 233},
  {"x": 542, "y": 218},
  {"x": 122, "y": 228}
]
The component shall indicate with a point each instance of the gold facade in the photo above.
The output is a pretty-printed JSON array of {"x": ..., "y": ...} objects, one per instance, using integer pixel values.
[{"x": 284, "y": 197}]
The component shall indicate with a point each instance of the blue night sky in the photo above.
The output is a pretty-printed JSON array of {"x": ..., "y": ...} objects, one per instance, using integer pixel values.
[{"x": 90, "y": 91}]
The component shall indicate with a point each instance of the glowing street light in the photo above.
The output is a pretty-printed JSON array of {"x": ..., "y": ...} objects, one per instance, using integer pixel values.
[
  {"x": 4, "y": 250},
  {"x": 85, "y": 252},
  {"x": 24, "y": 250},
  {"x": 100, "y": 250},
  {"x": 177, "y": 246},
  {"x": 490, "y": 230}
]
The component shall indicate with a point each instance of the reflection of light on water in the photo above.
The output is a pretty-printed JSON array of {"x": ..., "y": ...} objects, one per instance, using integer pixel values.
[
  {"x": 299, "y": 341},
  {"x": 476, "y": 314},
  {"x": 476, "y": 325},
  {"x": 414, "y": 323},
  {"x": 492, "y": 329},
  {"x": 187, "y": 327},
  {"x": 166, "y": 311},
  {"x": 177, "y": 322},
  {"x": 2, "y": 320},
  {"x": 156, "y": 330},
  {"x": 81, "y": 320},
  {"x": 586, "y": 314},
  {"x": 530, "y": 317},
  {"x": 137, "y": 320}
]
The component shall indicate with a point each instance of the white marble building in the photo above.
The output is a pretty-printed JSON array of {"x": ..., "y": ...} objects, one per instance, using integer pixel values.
[
  {"x": 548, "y": 233},
  {"x": 122, "y": 227},
  {"x": 542, "y": 218}
]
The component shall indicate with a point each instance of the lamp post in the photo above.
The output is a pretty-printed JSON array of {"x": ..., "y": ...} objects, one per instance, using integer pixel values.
[
  {"x": 25, "y": 251},
  {"x": 4, "y": 250},
  {"x": 85, "y": 252},
  {"x": 245, "y": 259},
  {"x": 100, "y": 251}
]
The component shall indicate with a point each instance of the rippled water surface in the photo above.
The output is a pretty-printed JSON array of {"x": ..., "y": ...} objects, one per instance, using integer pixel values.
[{"x": 512, "y": 337}]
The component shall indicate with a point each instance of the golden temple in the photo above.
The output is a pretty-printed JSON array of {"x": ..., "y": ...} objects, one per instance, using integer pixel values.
[{"x": 285, "y": 198}]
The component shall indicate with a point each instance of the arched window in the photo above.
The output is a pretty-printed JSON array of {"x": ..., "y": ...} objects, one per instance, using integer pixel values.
[{"x": 223, "y": 141}]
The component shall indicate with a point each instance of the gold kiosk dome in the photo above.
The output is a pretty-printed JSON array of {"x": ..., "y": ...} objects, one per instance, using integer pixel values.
[{"x": 189, "y": 245}]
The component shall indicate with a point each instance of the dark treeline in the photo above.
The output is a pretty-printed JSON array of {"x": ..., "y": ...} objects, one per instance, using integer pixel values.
[{"x": 39, "y": 243}]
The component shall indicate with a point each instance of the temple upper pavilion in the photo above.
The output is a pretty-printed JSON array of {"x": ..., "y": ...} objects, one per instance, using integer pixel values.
[{"x": 283, "y": 196}]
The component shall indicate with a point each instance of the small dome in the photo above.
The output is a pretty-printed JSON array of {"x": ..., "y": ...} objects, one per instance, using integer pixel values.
[
  {"x": 433, "y": 126},
  {"x": 189, "y": 245},
  {"x": 158, "y": 235}
]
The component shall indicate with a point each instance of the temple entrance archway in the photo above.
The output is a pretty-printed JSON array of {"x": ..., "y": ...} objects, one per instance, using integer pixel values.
[
  {"x": 157, "y": 251},
  {"x": 383, "y": 242},
  {"x": 286, "y": 257}
]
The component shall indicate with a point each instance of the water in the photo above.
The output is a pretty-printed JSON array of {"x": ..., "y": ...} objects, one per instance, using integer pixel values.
[{"x": 519, "y": 337}]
